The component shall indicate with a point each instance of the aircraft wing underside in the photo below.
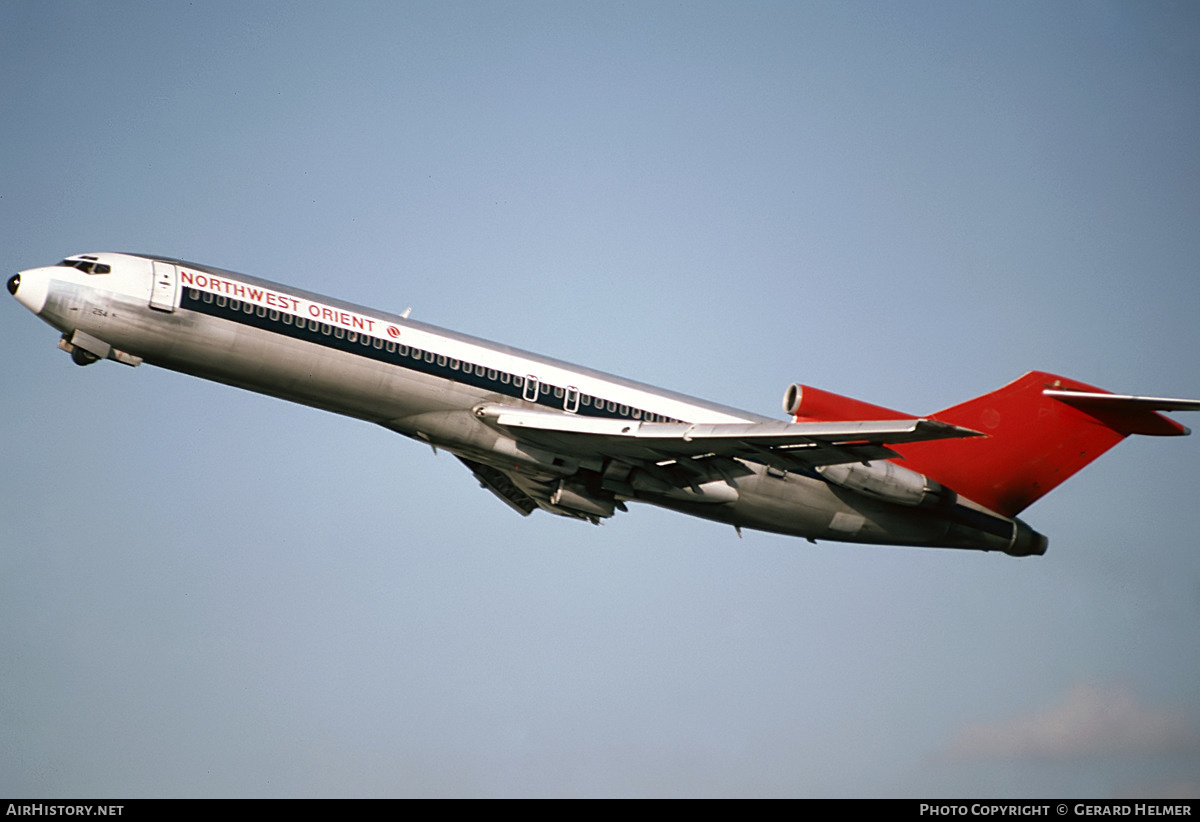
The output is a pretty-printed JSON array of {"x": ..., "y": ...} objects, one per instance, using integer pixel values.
[
  {"x": 670, "y": 456},
  {"x": 502, "y": 485},
  {"x": 783, "y": 445}
]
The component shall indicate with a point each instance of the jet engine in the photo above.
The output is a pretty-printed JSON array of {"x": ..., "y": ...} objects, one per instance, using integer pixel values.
[
  {"x": 579, "y": 499},
  {"x": 805, "y": 403},
  {"x": 889, "y": 482}
]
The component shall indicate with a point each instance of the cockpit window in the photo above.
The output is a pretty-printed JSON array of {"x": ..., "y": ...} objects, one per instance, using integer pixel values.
[{"x": 87, "y": 267}]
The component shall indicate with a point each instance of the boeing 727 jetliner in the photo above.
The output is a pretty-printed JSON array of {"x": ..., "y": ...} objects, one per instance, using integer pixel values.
[{"x": 541, "y": 433}]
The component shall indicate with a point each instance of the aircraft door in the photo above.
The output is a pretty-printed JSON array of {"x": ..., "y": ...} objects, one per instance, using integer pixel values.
[
  {"x": 166, "y": 284},
  {"x": 531, "y": 388}
]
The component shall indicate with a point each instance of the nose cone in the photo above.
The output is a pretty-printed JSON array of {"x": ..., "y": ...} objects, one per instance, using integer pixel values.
[{"x": 30, "y": 288}]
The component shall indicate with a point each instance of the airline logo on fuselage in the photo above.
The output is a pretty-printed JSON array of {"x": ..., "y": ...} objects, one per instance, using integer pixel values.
[{"x": 275, "y": 301}]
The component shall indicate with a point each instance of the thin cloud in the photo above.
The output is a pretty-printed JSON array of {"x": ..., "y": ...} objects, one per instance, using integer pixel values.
[
  {"x": 1088, "y": 721},
  {"x": 1188, "y": 788}
]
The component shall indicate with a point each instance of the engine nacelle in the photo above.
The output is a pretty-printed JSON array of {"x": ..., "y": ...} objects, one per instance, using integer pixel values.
[
  {"x": 577, "y": 497},
  {"x": 791, "y": 398},
  {"x": 808, "y": 404},
  {"x": 889, "y": 482},
  {"x": 1026, "y": 542}
]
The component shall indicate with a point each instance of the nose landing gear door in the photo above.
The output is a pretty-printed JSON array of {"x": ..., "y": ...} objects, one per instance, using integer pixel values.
[{"x": 166, "y": 284}]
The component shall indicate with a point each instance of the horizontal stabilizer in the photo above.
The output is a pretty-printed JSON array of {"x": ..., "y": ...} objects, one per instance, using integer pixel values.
[{"x": 1128, "y": 413}]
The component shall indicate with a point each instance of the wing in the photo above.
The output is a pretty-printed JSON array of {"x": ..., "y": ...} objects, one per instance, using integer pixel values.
[
  {"x": 699, "y": 462},
  {"x": 782, "y": 445}
]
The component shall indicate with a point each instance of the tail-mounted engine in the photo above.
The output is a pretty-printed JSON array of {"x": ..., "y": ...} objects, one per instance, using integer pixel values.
[
  {"x": 807, "y": 404},
  {"x": 889, "y": 482}
]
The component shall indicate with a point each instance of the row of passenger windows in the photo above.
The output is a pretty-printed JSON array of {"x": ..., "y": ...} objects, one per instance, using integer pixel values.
[{"x": 571, "y": 397}]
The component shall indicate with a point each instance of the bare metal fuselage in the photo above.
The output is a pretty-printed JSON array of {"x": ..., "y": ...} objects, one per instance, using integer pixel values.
[{"x": 432, "y": 384}]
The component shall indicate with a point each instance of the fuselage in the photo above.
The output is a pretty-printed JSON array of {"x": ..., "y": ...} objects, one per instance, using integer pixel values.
[{"x": 429, "y": 383}]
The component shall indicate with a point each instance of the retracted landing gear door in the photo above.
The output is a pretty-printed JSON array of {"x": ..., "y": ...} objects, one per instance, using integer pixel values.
[{"x": 166, "y": 283}]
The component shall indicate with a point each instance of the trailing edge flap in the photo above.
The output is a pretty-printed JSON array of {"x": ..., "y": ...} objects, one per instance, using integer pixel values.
[
  {"x": 525, "y": 493},
  {"x": 782, "y": 444},
  {"x": 500, "y": 484}
]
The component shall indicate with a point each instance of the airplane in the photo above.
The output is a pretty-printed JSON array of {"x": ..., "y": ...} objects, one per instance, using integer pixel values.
[{"x": 540, "y": 433}]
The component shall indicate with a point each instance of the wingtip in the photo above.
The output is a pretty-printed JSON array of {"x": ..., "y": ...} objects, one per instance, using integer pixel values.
[{"x": 949, "y": 429}]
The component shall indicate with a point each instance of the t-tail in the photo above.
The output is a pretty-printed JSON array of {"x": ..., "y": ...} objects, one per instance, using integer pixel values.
[{"x": 1038, "y": 431}]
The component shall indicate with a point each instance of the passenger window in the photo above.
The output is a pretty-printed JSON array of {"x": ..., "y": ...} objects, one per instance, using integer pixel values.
[
  {"x": 338, "y": 332},
  {"x": 352, "y": 336}
]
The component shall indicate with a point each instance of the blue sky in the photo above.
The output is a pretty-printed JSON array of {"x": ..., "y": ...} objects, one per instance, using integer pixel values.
[{"x": 211, "y": 593}]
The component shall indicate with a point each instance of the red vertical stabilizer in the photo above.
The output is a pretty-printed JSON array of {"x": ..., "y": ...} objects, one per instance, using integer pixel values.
[{"x": 1034, "y": 441}]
